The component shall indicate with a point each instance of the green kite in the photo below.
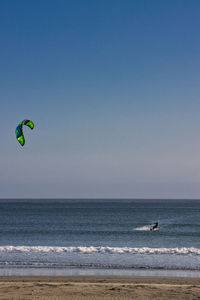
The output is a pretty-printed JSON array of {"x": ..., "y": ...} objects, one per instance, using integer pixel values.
[{"x": 19, "y": 130}]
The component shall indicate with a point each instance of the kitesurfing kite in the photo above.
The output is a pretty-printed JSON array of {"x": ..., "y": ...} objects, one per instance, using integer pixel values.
[{"x": 19, "y": 130}]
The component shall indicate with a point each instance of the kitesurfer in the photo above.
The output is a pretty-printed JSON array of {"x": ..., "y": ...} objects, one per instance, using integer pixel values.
[{"x": 154, "y": 226}]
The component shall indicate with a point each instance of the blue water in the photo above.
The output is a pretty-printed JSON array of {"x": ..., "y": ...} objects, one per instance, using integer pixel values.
[{"x": 100, "y": 234}]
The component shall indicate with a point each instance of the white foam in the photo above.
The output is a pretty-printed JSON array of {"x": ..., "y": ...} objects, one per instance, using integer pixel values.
[
  {"x": 143, "y": 228},
  {"x": 100, "y": 250}
]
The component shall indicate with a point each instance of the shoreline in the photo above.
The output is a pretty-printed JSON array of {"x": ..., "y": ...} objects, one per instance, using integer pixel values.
[
  {"x": 98, "y": 287},
  {"x": 95, "y": 272}
]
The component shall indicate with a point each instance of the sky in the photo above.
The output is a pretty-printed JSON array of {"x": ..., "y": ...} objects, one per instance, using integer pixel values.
[{"x": 113, "y": 89}]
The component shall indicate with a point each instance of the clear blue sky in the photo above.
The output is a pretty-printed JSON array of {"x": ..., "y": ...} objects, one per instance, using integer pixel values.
[{"x": 113, "y": 89}]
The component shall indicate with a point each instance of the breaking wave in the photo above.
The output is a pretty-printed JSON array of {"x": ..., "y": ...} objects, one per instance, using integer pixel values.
[
  {"x": 100, "y": 250},
  {"x": 33, "y": 264}
]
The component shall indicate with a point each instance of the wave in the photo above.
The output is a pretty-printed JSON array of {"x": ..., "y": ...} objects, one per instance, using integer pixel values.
[
  {"x": 100, "y": 250},
  {"x": 33, "y": 264}
]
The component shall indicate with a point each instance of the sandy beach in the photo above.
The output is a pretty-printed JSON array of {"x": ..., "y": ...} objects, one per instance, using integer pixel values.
[{"x": 83, "y": 287}]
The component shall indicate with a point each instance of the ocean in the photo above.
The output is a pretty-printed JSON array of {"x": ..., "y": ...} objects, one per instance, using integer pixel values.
[{"x": 99, "y": 237}]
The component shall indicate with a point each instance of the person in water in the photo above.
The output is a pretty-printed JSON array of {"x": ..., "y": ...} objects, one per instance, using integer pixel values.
[{"x": 154, "y": 226}]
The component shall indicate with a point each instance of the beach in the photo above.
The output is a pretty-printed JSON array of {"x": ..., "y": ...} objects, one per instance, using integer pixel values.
[{"x": 98, "y": 287}]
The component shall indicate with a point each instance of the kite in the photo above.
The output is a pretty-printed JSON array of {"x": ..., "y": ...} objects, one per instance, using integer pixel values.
[{"x": 19, "y": 130}]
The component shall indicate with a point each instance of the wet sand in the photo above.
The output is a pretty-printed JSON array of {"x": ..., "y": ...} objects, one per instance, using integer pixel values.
[{"x": 98, "y": 287}]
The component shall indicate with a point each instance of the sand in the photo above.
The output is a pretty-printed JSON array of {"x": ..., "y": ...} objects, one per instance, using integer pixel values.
[{"x": 84, "y": 287}]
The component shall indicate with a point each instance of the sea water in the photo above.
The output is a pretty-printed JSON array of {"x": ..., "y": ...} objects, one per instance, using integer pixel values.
[{"x": 99, "y": 237}]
